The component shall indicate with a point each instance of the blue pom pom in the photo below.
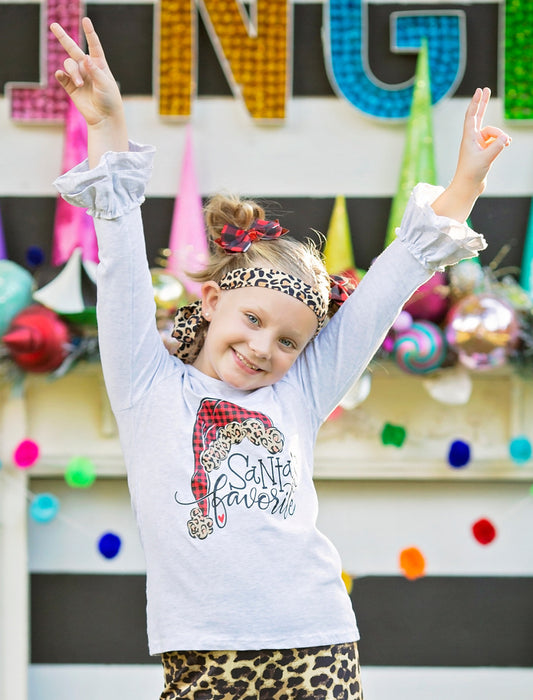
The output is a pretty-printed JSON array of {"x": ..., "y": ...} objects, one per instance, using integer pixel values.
[
  {"x": 109, "y": 545},
  {"x": 459, "y": 454}
]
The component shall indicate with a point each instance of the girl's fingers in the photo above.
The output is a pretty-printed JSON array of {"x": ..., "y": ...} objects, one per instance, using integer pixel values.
[
  {"x": 67, "y": 42},
  {"x": 93, "y": 42},
  {"x": 72, "y": 69},
  {"x": 482, "y": 105}
]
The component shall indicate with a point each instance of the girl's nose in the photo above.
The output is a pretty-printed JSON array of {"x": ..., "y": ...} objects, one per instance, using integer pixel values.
[{"x": 260, "y": 345}]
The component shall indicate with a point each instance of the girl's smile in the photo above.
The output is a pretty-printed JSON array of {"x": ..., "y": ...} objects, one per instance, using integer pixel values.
[{"x": 254, "y": 336}]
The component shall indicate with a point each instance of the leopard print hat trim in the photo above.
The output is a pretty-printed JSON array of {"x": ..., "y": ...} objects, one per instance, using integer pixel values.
[{"x": 190, "y": 326}]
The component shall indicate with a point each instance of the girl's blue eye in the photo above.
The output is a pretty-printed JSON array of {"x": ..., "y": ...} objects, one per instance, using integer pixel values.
[
  {"x": 253, "y": 319},
  {"x": 287, "y": 343}
]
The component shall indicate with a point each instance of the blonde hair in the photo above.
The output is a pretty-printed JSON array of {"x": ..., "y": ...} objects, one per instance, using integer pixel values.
[{"x": 284, "y": 254}]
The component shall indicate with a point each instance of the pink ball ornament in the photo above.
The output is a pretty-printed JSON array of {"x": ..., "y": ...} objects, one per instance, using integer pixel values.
[
  {"x": 421, "y": 349},
  {"x": 482, "y": 329},
  {"x": 430, "y": 302}
]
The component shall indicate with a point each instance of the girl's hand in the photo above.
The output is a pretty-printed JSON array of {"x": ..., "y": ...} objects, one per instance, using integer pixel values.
[
  {"x": 87, "y": 79},
  {"x": 90, "y": 84},
  {"x": 480, "y": 146}
]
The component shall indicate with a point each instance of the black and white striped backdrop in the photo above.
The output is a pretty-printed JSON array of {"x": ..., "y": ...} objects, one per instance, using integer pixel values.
[{"x": 466, "y": 629}]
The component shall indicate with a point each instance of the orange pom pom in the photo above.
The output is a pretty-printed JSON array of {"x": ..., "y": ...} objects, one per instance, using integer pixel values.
[{"x": 412, "y": 563}]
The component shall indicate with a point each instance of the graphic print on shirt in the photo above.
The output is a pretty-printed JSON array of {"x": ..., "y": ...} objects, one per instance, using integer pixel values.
[{"x": 268, "y": 484}]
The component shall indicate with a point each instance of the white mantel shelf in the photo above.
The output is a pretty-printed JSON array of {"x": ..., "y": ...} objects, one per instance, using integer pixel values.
[{"x": 71, "y": 417}]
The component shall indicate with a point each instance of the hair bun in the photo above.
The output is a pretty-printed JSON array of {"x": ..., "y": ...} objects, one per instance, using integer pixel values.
[{"x": 224, "y": 209}]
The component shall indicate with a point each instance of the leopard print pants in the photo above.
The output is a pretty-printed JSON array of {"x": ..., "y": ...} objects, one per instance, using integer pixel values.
[{"x": 314, "y": 673}]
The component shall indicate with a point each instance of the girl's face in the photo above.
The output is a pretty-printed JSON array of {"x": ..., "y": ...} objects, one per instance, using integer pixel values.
[{"x": 255, "y": 334}]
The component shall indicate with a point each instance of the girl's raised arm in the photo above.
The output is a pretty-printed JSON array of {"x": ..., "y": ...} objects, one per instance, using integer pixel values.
[
  {"x": 93, "y": 89},
  {"x": 480, "y": 146}
]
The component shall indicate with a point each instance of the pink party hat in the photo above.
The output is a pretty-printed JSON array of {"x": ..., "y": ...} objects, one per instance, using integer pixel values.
[
  {"x": 73, "y": 227},
  {"x": 188, "y": 241}
]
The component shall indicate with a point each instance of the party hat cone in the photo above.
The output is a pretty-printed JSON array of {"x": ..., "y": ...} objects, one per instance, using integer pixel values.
[
  {"x": 338, "y": 252},
  {"x": 3, "y": 250},
  {"x": 418, "y": 163},
  {"x": 73, "y": 227},
  {"x": 526, "y": 270},
  {"x": 188, "y": 241}
]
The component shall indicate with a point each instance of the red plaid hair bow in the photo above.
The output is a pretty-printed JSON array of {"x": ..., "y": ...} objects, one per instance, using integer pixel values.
[
  {"x": 341, "y": 288},
  {"x": 238, "y": 240}
]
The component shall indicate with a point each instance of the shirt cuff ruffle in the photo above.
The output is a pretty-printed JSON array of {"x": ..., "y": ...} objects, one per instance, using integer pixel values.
[
  {"x": 115, "y": 186},
  {"x": 436, "y": 241}
]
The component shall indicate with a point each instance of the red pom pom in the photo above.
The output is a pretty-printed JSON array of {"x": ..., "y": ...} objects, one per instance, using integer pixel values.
[{"x": 484, "y": 531}]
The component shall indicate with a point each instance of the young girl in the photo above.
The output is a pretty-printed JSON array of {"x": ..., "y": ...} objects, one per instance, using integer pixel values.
[{"x": 244, "y": 595}]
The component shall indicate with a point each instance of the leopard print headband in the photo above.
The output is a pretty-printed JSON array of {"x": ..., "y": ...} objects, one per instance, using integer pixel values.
[{"x": 190, "y": 326}]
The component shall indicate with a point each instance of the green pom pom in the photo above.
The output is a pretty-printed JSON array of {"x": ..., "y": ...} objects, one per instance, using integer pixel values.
[{"x": 393, "y": 435}]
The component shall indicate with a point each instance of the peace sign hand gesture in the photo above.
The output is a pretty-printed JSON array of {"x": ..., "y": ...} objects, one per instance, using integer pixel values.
[
  {"x": 480, "y": 146},
  {"x": 90, "y": 84}
]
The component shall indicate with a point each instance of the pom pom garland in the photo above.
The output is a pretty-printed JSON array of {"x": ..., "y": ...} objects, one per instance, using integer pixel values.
[
  {"x": 109, "y": 545},
  {"x": 484, "y": 531},
  {"x": 459, "y": 454},
  {"x": 520, "y": 449},
  {"x": 80, "y": 472},
  {"x": 26, "y": 454},
  {"x": 412, "y": 563},
  {"x": 393, "y": 435},
  {"x": 44, "y": 507}
]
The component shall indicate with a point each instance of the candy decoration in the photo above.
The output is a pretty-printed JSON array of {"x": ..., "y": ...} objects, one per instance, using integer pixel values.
[
  {"x": 430, "y": 301},
  {"x": 482, "y": 329},
  {"x": 412, "y": 563},
  {"x": 420, "y": 349},
  {"x": 459, "y": 454},
  {"x": 484, "y": 531},
  {"x": 418, "y": 163},
  {"x": 80, "y": 472},
  {"x": 520, "y": 449},
  {"x": 393, "y": 435},
  {"x": 26, "y": 454},
  {"x": 44, "y": 507},
  {"x": 15, "y": 291},
  {"x": 109, "y": 545},
  {"x": 188, "y": 240},
  {"x": 37, "y": 339}
]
